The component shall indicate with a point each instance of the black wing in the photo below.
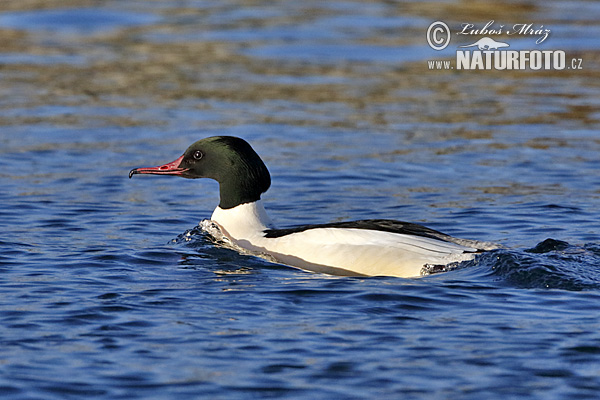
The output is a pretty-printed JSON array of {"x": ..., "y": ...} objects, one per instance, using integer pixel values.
[{"x": 385, "y": 225}]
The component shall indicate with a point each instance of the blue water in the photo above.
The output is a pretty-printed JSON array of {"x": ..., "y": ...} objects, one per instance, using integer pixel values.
[{"x": 110, "y": 291}]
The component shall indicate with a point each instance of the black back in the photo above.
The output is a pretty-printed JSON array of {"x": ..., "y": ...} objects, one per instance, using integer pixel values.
[{"x": 385, "y": 225}]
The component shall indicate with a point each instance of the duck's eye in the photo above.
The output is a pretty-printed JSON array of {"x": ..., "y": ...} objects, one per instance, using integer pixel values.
[{"x": 197, "y": 155}]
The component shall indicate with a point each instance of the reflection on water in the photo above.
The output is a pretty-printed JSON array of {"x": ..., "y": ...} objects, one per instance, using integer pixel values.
[{"x": 100, "y": 298}]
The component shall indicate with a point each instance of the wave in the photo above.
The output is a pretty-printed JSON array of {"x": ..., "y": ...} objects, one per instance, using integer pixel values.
[{"x": 550, "y": 264}]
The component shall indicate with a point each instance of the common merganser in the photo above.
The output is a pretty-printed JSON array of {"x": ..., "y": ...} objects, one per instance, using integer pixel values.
[{"x": 357, "y": 248}]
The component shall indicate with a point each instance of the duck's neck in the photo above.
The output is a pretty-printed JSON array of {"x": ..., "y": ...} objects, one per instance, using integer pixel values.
[{"x": 243, "y": 220}]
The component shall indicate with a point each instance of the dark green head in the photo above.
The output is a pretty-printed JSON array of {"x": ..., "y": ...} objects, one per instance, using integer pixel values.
[{"x": 229, "y": 160}]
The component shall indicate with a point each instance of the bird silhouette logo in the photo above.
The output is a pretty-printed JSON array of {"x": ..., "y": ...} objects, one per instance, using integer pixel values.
[{"x": 487, "y": 43}]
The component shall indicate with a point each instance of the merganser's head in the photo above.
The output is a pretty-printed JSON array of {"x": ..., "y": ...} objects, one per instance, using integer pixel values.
[{"x": 229, "y": 160}]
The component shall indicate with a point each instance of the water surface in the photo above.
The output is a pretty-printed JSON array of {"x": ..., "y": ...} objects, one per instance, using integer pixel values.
[{"x": 110, "y": 291}]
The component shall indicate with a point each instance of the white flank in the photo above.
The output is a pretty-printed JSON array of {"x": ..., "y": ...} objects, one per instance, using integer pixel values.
[{"x": 339, "y": 251}]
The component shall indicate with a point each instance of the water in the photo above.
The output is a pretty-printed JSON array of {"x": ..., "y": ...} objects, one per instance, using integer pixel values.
[{"x": 109, "y": 291}]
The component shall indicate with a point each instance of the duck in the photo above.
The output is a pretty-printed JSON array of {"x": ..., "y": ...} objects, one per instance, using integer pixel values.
[{"x": 362, "y": 248}]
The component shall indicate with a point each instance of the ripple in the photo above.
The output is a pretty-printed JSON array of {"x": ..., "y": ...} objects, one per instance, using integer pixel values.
[
  {"x": 550, "y": 264},
  {"x": 84, "y": 21}
]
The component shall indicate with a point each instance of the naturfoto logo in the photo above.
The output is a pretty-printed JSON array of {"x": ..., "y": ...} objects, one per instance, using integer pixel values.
[{"x": 487, "y": 53}]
